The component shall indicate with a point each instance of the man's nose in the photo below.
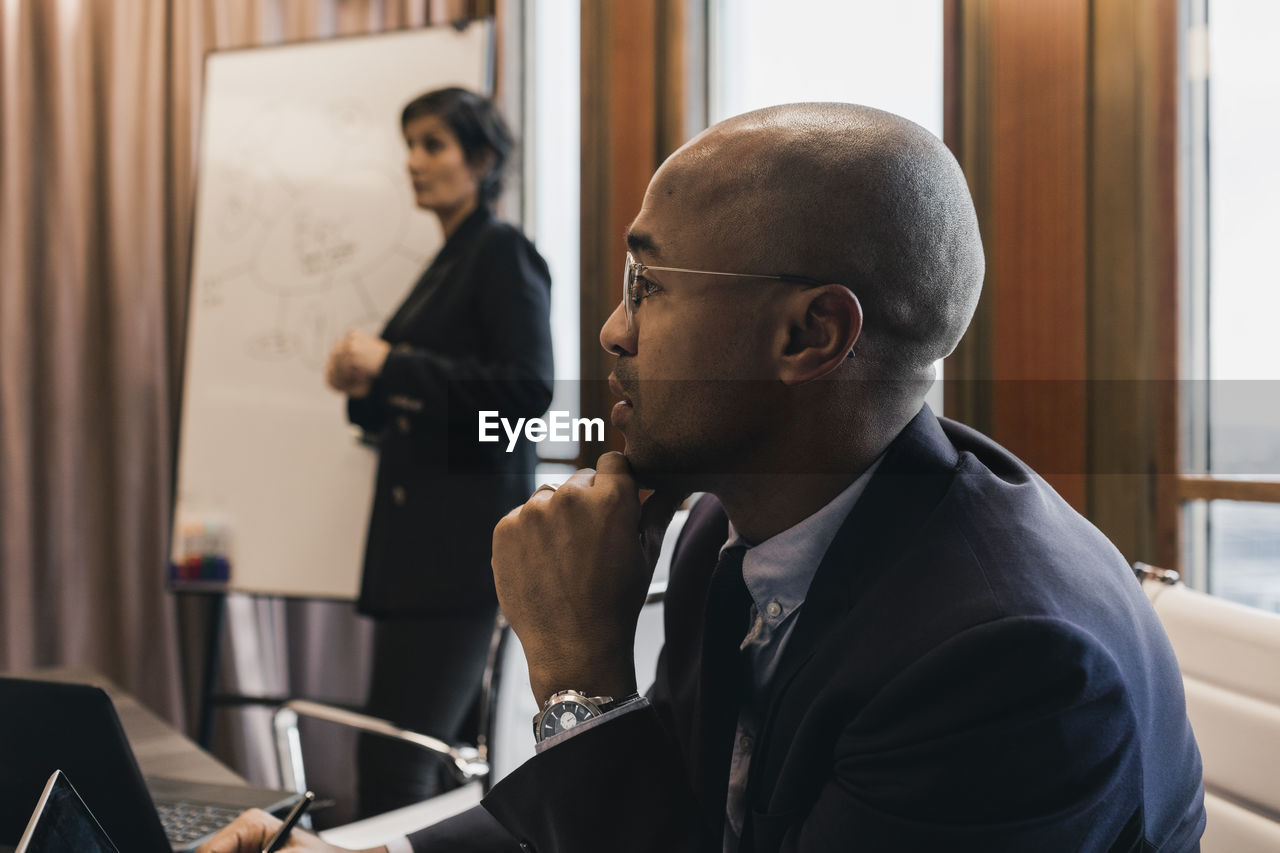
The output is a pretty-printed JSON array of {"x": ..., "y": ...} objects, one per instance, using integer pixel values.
[{"x": 614, "y": 335}]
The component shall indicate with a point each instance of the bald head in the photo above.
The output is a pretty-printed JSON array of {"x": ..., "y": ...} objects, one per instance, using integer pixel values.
[{"x": 851, "y": 195}]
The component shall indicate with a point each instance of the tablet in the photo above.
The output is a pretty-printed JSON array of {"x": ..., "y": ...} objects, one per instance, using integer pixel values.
[{"x": 62, "y": 823}]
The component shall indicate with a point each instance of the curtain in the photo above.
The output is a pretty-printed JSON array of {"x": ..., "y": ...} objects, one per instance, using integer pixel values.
[
  {"x": 99, "y": 116},
  {"x": 87, "y": 246}
]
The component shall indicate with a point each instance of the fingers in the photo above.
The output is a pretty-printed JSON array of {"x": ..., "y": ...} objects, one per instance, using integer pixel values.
[
  {"x": 613, "y": 475},
  {"x": 338, "y": 368},
  {"x": 613, "y": 472},
  {"x": 246, "y": 834},
  {"x": 542, "y": 494},
  {"x": 354, "y": 361},
  {"x": 359, "y": 357},
  {"x": 331, "y": 374},
  {"x": 613, "y": 462},
  {"x": 334, "y": 377},
  {"x": 581, "y": 479}
]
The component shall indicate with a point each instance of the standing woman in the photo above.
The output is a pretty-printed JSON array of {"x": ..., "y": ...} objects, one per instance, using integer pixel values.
[{"x": 472, "y": 335}]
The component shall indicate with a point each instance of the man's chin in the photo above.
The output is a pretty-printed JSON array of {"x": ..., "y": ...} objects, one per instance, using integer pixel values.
[
  {"x": 639, "y": 470},
  {"x": 651, "y": 474}
]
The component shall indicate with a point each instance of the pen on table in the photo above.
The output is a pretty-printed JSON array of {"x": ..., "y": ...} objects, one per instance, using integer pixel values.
[{"x": 282, "y": 834}]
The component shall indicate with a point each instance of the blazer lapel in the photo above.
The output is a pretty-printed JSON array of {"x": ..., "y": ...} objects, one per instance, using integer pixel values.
[
  {"x": 917, "y": 469},
  {"x": 693, "y": 561},
  {"x": 412, "y": 308}
]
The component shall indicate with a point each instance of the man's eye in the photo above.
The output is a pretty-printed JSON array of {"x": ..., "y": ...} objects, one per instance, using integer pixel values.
[{"x": 642, "y": 289}]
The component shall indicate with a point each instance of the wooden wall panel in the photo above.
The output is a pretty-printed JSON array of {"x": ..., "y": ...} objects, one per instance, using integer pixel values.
[
  {"x": 1063, "y": 114},
  {"x": 633, "y": 68},
  {"x": 1030, "y": 60},
  {"x": 619, "y": 122}
]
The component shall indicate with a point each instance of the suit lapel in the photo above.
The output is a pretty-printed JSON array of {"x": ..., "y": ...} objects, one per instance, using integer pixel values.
[
  {"x": 696, "y": 555},
  {"x": 440, "y": 270},
  {"x": 916, "y": 471}
]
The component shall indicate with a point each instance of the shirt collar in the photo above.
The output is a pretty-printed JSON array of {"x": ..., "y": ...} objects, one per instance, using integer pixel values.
[{"x": 778, "y": 571}]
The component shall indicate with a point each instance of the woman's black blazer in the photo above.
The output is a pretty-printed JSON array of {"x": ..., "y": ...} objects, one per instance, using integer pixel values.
[{"x": 473, "y": 335}]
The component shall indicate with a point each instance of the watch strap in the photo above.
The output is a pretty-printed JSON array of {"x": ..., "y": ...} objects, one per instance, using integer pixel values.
[
  {"x": 608, "y": 704},
  {"x": 601, "y": 705}
]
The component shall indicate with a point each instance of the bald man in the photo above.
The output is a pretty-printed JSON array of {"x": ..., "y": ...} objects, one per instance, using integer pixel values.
[{"x": 883, "y": 631}]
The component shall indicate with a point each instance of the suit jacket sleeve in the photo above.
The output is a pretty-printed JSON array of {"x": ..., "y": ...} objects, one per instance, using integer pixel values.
[
  {"x": 472, "y": 831},
  {"x": 509, "y": 371},
  {"x": 952, "y": 754}
]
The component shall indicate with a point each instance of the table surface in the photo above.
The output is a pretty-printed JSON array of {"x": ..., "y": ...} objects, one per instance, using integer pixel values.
[{"x": 161, "y": 749}]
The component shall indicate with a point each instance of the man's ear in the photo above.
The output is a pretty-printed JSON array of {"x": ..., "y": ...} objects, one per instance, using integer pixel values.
[{"x": 822, "y": 328}]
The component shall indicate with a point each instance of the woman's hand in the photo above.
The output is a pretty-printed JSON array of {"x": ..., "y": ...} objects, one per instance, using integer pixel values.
[
  {"x": 250, "y": 833},
  {"x": 355, "y": 362}
]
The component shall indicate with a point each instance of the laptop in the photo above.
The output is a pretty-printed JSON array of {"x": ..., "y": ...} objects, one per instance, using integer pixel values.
[
  {"x": 47, "y": 726},
  {"x": 62, "y": 823}
]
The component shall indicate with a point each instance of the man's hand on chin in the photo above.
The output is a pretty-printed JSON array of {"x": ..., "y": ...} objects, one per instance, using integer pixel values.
[{"x": 572, "y": 568}]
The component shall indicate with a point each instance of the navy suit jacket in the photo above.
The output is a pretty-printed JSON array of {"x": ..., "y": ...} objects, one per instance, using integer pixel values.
[{"x": 974, "y": 668}]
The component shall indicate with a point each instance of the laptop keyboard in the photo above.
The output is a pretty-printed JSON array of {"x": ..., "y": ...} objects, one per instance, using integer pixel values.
[{"x": 185, "y": 823}]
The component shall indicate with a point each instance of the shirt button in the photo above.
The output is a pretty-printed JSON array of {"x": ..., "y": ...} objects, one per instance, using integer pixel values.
[
  {"x": 774, "y": 609},
  {"x": 403, "y": 423},
  {"x": 746, "y": 743},
  {"x": 397, "y": 495}
]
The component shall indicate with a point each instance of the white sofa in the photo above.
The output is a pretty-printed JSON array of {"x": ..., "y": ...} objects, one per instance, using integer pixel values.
[{"x": 1229, "y": 655}]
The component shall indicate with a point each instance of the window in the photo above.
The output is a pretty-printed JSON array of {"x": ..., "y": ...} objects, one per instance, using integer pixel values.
[
  {"x": 1230, "y": 484},
  {"x": 552, "y": 149}
]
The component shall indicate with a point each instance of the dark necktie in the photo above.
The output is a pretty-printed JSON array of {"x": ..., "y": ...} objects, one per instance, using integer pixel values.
[{"x": 725, "y": 682}]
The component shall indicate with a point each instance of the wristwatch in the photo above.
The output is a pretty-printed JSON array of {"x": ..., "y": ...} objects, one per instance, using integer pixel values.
[{"x": 570, "y": 708}]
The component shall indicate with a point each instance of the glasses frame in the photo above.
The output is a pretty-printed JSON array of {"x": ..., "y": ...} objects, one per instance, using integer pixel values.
[{"x": 633, "y": 269}]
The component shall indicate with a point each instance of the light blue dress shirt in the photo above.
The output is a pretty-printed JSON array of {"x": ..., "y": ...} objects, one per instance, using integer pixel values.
[{"x": 777, "y": 572}]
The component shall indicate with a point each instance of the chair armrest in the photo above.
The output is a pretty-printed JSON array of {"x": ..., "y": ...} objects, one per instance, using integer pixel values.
[
  {"x": 1147, "y": 572},
  {"x": 464, "y": 761}
]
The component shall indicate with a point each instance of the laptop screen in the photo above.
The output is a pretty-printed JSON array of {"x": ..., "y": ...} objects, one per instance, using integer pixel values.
[
  {"x": 62, "y": 823},
  {"x": 47, "y": 726}
]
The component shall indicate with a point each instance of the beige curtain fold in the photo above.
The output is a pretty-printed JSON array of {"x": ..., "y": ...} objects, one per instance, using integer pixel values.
[
  {"x": 84, "y": 358},
  {"x": 99, "y": 122}
]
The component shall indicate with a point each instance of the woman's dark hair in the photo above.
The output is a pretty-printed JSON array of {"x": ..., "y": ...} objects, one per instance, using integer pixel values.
[{"x": 477, "y": 124}]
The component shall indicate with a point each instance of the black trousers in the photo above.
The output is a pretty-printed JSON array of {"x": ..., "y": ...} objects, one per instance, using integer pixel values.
[{"x": 426, "y": 677}]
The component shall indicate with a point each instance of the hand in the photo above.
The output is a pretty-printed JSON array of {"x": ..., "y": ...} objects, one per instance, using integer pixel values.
[
  {"x": 572, "y": 568},
  {"x": 355, "y": 361},
  {"x": 250, "y": 832}
]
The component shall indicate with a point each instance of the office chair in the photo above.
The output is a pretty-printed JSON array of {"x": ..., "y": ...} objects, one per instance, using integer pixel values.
[{"x": 467, "y": 763}]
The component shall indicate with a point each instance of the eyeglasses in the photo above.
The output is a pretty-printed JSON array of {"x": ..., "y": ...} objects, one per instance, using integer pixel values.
[{"x": 633, "y": 274}]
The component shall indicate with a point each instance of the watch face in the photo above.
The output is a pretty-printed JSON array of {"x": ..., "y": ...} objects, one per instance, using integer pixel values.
[{"x": 562, "y": 716}]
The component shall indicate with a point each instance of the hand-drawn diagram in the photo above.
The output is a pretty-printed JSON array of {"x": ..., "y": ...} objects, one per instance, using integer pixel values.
[{"x": 312, "y": 213}]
